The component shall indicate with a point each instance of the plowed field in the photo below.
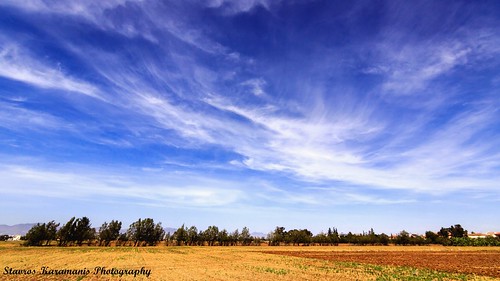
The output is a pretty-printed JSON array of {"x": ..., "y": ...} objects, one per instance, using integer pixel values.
[{"x": 486, "y": 263}]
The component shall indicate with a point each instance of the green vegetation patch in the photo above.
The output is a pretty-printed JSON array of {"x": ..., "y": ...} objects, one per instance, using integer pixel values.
[{"x": 277, "y": 271}]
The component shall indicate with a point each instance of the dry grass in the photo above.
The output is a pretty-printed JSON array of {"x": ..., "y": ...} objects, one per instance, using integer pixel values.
[{"x": 213, "y": 263}]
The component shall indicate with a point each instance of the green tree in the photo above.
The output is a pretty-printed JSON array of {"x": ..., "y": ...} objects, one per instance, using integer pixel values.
[
  {"x": 145, "y": 232},
  {"x": 458, "y": 231},
  {"x": 211, "y": 234},
  {"x": 67, "y": 232},
  {"x": 5, "y": 237},
  {"x": 245, "y": 237},
  {"x": 75, "y": 231},
  {"x": 158, "y": 234},
  {"x": 36, "y": 235},
  {"x": 223, "y": 238},
  {"x": 372, "y": 238},
  {"x": 403, "y": 238},
  {"x": 109, "y": 232},
  {"x": 384, "y": 239},
  {"x": 51, "y": 231},
  {"x": 277, "y": 236},
  {"x": 349, "y": 238},
  {"x": 181, "y": 235},
  {"x": 333, "y": 236},
  {"x": 192, "y": 236},
  {"x": 122, "y": 239},
  {"x": 83, "y": 231},
  {"x": 431, "y": 237},
  {"x": 321, "y": 239},
  {"x": 444, "y": 232},
  {"x": 40, "y": 233},
  {"x": 297, "y": 237},
  {"x": 234, "y": 237}
]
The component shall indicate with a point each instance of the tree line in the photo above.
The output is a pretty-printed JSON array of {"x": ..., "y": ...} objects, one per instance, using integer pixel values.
[{"x": 145, "y": 232}]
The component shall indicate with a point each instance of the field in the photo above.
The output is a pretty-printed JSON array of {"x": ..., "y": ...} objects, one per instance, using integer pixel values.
[{"x": 252, "y": 263}]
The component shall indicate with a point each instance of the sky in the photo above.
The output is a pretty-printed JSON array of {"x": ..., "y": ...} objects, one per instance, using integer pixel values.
[{"x": 257, "y": 113}]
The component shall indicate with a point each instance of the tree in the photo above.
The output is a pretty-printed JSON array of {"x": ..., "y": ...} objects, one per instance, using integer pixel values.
[
  {"x": 444, "y": 232},
  {"x": 333, "y": 236},
  {"x": 297, "y": 237},
  {"x": 4, "y": 237},
  {"x": 349, "y": 238},
  {"x": 51, "y": 232},
  {"x": 234, "y": 237},
  {"x": 223, "y": 238},
  {"x": 321, "y": 239},
  {"x": 211, "y": 234},
  {"x": 384, "y": 239},
  {"x": 277, "y": 236},
  {"x": 168, "y": 238},
  {"x": 454, "y": 231},
  {"x": 158, "y": 234},
  {"x": 192, "y": 236},
  {"x": 137, "y": 232},
  {"x": 292, "y": 236},
  {"x": 181, "y": 235},
  {"x": 66, "y": 233},
  {"x": 431, "y": 237},
  {"x": 245, "y": 237},
  {"x": 40, "y": 233},
  {"x": 36, "y": 235},
  {"x": 458, "y": 231},
  {"x": 403, "y": 238},
  {"x": 122, "y": 239},
  {"x": 145, "y": 231},
  {"x": 372, "y": 238},
  {"x": 109, "y": 232},
  {"x": 76, "y": 231},
  {"x": 257, "y": 240},
  {"x": 83, "y": 231}
]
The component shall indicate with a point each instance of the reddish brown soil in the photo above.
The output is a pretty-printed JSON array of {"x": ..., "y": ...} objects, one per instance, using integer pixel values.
[{"x": 485, "y": 263}]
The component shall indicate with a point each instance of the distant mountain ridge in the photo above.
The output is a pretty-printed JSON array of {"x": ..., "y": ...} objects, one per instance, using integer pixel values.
[
  {"x": 258, "y": 234},
  {"x": 17, "y": 229}
]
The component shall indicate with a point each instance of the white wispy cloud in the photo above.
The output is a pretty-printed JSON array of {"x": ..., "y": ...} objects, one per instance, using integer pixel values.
[
  {"x": 256, "y": 86},
  {"x": 161, "y": 188},
  {"x": 313, "y": 146},
  {"x": 87, "y": 9},
  {"x": 416, "y": 66},
  {"x": 234, "y": 7},
  {"x": 325, "y": 151},
  {"x": 19, "y": 119},
  {"x": 409, "y": 68},
  {"x": 156, "y": 16},
  {"x": 16, "y": 64},
  {"x": 69, "y": 184},
  {"x": 98, "y": 13}
]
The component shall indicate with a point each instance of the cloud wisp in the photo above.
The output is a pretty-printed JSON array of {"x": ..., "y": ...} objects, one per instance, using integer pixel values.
[{"x": 16, "y": 65}]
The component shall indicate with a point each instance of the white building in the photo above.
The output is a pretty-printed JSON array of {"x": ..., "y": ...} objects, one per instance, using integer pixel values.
[
  {"x": 16, "y": 237},
  {"x": 484, "y": 235}
]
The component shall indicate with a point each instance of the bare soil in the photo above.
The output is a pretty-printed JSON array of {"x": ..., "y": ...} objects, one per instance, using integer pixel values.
[{"x": 485, "y": 263}]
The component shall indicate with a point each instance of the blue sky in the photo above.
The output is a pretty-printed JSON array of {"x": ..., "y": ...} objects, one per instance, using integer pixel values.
[{"x": 302, "y": 114}]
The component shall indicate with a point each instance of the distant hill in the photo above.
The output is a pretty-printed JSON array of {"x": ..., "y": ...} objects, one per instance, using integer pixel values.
[
  {"x": 170, "y": 230},
  {"x": 17, "y": 229},
  {"x": 258, "y": 234}
]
